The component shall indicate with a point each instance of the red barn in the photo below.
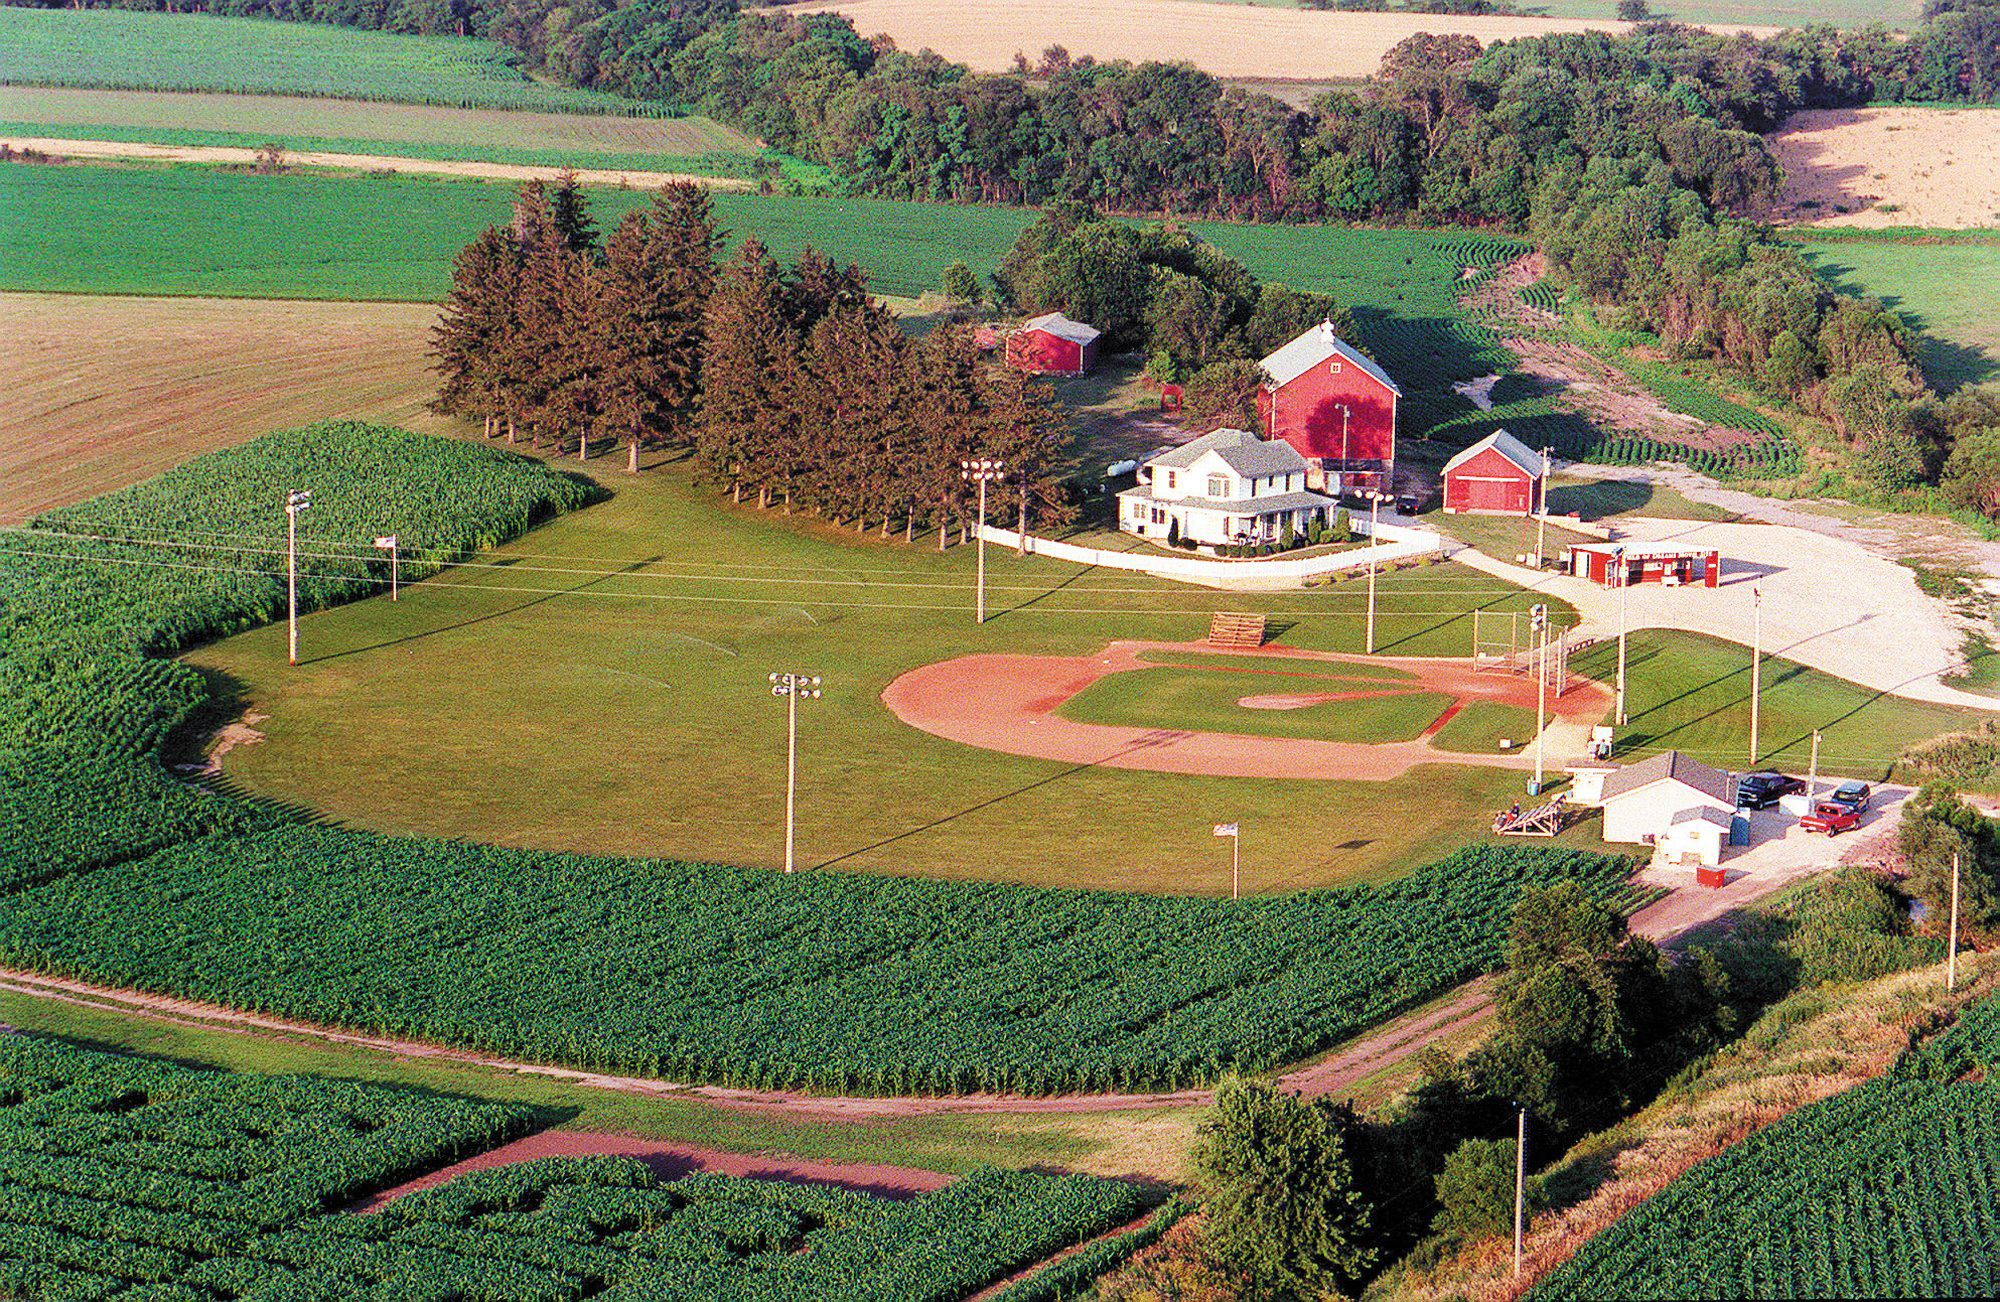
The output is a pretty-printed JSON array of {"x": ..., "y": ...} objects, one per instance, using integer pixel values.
[
  {"x": 1334, "y": 406},
  {"x": 1494, "y": 476},
  {"x": 1053, "y": 344}
]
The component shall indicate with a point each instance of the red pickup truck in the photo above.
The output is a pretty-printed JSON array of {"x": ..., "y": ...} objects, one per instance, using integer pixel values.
[{"x": 1831, "y": 819}]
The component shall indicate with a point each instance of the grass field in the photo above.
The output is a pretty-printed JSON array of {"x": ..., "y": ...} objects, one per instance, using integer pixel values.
[
  {"x": 1943, "y": 287},
  {"x": 1205, "y": 700},
  {"x": 119, "y": 49},
  {"x": 69, "y": 111},
  {"x": 1479, "y": 728},
  {"x": 1692, "y": 693},
  {"x": 97, "y": 393},
  {"x": 601, "y": 686}
]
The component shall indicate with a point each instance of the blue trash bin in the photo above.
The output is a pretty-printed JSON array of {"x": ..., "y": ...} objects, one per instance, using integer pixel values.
[{"x": 1739, "y": 829}]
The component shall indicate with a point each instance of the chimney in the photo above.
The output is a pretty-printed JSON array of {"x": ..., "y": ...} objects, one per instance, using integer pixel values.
[{"x": 1326, "y": 335}]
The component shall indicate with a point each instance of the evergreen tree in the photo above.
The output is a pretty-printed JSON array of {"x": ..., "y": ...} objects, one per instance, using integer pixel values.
[
  {"x": 569, "y": 209},
  {"x": 747, "y": 351},
  {"x": 658, "y": 274},
  {"x": 473, "y": 330},
  {"x": 1024, "y": 426}
]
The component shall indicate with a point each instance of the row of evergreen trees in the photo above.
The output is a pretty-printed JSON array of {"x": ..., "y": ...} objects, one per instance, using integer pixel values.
[{"x": 792, "y": 384}]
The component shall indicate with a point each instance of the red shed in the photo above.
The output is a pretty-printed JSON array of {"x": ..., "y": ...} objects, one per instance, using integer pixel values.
[
  {"x": 1494, "y": 476},
  {"x": 1337, "y": 408},
  {"x": 1053, "y": 344}
]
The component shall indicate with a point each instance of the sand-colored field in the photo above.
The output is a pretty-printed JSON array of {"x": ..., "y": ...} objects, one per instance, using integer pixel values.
[
  {"x": 1936, "y": 167},
  {"x": 1246, "y": 41},
  {"x": 283, "y": 117},
  {"x": 96, "y": 393},
  {"x": 237, "y": 156}
]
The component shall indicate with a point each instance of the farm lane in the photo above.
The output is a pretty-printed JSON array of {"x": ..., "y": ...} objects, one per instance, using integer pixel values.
[
  {"x": 242, "y": 157},
  {"x": 1007, "y": 703},
  {"x": 1829, "y": 603}
]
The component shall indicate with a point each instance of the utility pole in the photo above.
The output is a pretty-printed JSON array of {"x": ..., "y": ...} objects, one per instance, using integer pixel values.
[
  {"x": 1520, "y": 1186},
  {"x": 295, "y": 501},
  {"x": 388, "y": 543},
  {"x": 1812, "y": 774},
  {"x": 1375, "y": 499},
  {"x": 792, "y": 687},
  {"x": 1951, "y": 942},
  {"x": 1538, "y": 621},
  {"x": 1542, "y": 516},
  {"x": 1756, "y": 668},
  {"x": 982, "y": 471},
  {"x": 1624, "y": 581}
]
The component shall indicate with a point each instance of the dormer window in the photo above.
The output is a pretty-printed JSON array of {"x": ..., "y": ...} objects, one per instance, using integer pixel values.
[{"x": 1218, "y": 486}]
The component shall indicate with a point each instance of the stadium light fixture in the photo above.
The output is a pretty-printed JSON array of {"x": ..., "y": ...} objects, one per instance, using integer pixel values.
[{"x": 792, "y": 687}]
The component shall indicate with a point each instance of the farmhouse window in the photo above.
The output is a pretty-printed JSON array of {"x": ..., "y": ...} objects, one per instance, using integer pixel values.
[
  {"x": 1159, "y": 515},
  {"x": 1173, "y": 479},
  {"x": 1333, "y": 367},
  {"x": 1218, "y": 486}
]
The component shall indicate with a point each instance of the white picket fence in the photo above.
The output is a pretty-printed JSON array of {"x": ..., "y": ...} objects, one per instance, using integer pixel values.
[{"x": 1399, "y": 543}]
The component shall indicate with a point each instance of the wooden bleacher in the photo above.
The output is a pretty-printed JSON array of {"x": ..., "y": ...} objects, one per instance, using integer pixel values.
[
  {"x": 1544, "y": 820},
  {"x": 1237, "y": 632}
]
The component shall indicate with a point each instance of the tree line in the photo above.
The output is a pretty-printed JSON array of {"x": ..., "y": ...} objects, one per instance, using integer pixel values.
[{"x": 789, "y": 383}]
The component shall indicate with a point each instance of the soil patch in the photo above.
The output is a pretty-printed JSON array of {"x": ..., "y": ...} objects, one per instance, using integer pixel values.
[{"x": 1879, "y": 167}]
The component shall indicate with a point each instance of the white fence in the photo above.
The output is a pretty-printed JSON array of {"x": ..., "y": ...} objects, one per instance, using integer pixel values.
[{"x": 1399, "y": 543}]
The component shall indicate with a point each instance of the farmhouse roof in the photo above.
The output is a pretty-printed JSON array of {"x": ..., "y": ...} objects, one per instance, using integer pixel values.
[
  {"x": 1240, "y": 450},
  {"x": 1702, "y": 814},
  {"x": 1263, "y": 505},
  {"x": 1530, "y": 461},
  {"x": 1055, "y": 323},
  {"x": 1313, "y": 347},
  {"x": 1690, "y": 773}
]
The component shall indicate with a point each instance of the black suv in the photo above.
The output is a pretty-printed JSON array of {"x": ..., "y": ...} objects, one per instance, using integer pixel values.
[
  {"x": 1762, "y": 790},
  {"x": 1850, "y": 795}
]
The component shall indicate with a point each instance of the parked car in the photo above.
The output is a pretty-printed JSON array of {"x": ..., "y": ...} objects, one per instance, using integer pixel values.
[
  {"x": 1851, "y": 795},
  {"x": 1831, "y": 819},
  {"x": 1762, "y": 790}
]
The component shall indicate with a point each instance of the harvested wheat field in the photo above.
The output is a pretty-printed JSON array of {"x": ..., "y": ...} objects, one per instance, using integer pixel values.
[
  {"x": 96, "y": 393},
  {"x": 1877, "y": 167},
  {"x": 1241, "y": 41}
]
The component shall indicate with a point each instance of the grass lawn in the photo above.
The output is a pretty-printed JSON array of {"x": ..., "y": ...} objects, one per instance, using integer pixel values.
[
  {"x": 1205, "y": 700},
  {"x": 1479, "y": 727},
  {"x": 1505, "y": 537},
  {"x": 1942, "y": 287},
  {"x": 118, "y": 49},
  {"x": 1690, "y": 692},
  {"x": 1605, "y": 499},
  {"x": 600, "y": 685},
  {"x": 103, "y": 114},
  {"x": 1149, "y": 1143}
]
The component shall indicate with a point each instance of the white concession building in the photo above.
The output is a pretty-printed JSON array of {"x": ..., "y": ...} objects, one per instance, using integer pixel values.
[
  {"x": 1670, "y": 799},
  {"x": 1225, "y": 487}
]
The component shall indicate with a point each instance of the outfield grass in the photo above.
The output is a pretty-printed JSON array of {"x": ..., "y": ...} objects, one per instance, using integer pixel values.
[
  {"x": 1944, "y": 288},
  {"x": 1505, "y": 537},
  {"x": 121, "y": 49},
  {"x": 604, "y": 689},
  {"x": 1605, "y": 499},
  {"x": 1690, "y": 692},
  {"x": 1205, "y": 700}
]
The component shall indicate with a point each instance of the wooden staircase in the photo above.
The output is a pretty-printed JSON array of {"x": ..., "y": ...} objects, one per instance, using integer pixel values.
[{"x": 1236, "y": 632}]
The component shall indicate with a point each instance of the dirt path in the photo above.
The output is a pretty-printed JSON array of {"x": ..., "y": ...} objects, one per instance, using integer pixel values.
[
  {"x": 1008, "y": 702},
  {"x": 231, "y": 155},
  {"x": 672, "y": 1161}
]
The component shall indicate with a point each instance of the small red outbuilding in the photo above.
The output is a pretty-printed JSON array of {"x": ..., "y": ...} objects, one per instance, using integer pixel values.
[
  {"x": 1494, "y": 476},
  {"x": 1053, "y": 345}
]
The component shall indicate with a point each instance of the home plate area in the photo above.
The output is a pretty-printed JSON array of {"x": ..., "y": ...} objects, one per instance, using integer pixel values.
[{"x": 1010, "y": 703}]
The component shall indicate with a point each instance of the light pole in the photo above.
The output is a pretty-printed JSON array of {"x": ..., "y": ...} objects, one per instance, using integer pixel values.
[
  {"x": 1520, "y": 1185},
  {"x": 1538, "y": 623},
  {"x": 1375, "y": 500},
  {"x": 1542, "y": 516},
  {"x": 1756, "y": 666},
  {"x": 295, "y": 502},
  {"x": 1345, "y": 413},
  {"x": 792, "y": 687},
  {"x": 982, "y": 471},
  {"x": 1951, "y": 940},
  {"x": 1234, "y": 832},
  {"x": 387, "y": 542},
  {"x": 1624, "y": 581}
]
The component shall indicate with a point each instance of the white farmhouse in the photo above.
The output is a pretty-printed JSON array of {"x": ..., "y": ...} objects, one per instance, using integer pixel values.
[
  {"x": 1643, "y": 801},
  {"x": 1225, "y": 487}
]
